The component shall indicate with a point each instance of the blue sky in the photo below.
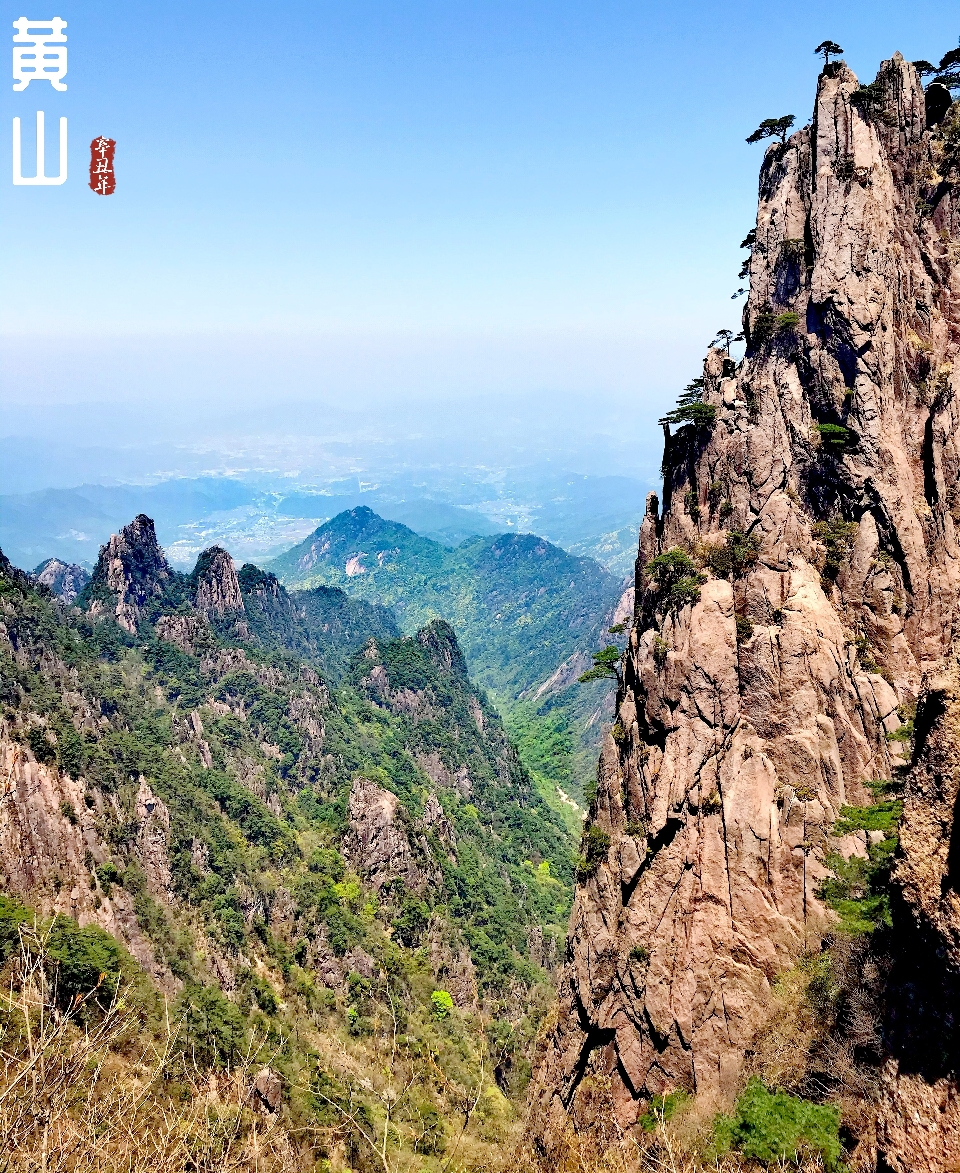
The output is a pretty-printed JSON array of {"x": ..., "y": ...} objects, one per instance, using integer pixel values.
[{"x": 391, "y": 201}]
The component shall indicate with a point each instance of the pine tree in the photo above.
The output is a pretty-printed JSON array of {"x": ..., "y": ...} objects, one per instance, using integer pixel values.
[
  {"x": 828, "y": 49},
  {"x": 773, "y": 126}
]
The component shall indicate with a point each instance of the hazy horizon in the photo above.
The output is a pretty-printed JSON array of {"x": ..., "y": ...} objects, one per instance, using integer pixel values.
[{"x": 369, "y": 222}]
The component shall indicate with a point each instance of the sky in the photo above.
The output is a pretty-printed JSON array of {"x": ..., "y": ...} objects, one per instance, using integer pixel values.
[{"x": 398, "y": 210}]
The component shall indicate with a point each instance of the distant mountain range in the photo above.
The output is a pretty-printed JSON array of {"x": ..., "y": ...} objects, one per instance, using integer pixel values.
[
  {"x": 273, "y": 817},
  {"x": 593, "y": 516},
  {"x": 520, "y": 605}
]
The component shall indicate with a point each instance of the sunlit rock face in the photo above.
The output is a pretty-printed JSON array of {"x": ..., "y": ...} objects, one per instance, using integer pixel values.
[
  {"x": 748, "y": 715},
  {"x": 131, "y": 574}
]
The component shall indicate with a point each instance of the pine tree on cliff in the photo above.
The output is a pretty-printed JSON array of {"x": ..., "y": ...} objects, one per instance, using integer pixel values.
[
  {"x": 828, "y": 49},
  {"x": 771, "y": 127}
]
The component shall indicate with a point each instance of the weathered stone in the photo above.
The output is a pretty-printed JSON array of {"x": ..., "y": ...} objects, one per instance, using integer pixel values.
[
  {"x": 154, "y": 820},
  {"x": 435, "y": 818},
  {"x": 189, "y": 633},
  {"x": 64, "y": 579},
  {"x": 267, "y": 1090},
  {"x": 747, "y": 719},
  {"x": 217, "y": 589},
  {"x": 132, "y": 567},
  {"x": 377, "y": 843}
]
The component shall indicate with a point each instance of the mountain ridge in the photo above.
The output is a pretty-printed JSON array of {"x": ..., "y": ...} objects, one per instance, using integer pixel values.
[
  {"x": 279, "y": 849},
  {"x": 487, "y": 587}
]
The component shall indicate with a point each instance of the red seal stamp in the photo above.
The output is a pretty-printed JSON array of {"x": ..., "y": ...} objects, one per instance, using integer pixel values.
[{"x": 103, "y": 179}]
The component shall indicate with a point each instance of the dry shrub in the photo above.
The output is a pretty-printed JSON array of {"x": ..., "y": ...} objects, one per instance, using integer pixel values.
[{"x": 70, "y": 1101}]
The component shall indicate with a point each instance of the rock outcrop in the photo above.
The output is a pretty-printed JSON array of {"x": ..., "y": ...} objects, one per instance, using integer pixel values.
[
  {"x": 65, "y": 579},
  {"x": 217, "y": 588},
  {"x": 377, "y": 843},
  {"x": 132, "y": 573},
  {"x": 49, "y": 842},
  {"x": 813, "y": 587},
  {"x": 153, "y": 819},
  {"x": 919, "y": 1125}
]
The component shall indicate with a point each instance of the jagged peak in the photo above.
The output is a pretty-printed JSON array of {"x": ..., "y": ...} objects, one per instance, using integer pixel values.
[
  {"x": 215, "y": 583},
  {"x": 252, "y": 579},
  {"x": 439, "y": 641},
  {"x": 136, "y": 546},
  {"x": 65, "y": 579},
  {"x": 133, "y": 569}
]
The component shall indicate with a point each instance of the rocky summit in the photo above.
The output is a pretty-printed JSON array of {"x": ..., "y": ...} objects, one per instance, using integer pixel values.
[{"x": 797, "y": 594}]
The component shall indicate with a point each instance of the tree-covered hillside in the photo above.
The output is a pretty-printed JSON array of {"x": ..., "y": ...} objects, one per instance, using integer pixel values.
[
  {"x": 520, "y": 606},
  {"x": 312, "y": 835}
]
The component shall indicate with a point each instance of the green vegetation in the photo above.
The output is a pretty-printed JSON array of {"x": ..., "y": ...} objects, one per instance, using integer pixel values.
[
  {"x": 735, "y": 556},
  {"x": 827, "y": 49},
  {"x": 835, "y": 439},
  {"x": 661, "y": 1109},
  {"x": 763, "y": 327},
  {"x": 251, "y": 755},
  {"x": 871, "y": 100},
  {"x": 767, "y": 325},
  {"x": 774, "y": 1128},
  {"x": 773, "y": 128},
  {"x": 593, "y": 851},
  {"x": 675, "y": 579},
  {"x": 786, "y": 321},
  {"x": 13, "y": 914},
  {"x": 859, "y": 888},
  {"x": 723, "y": 340},
  {"x": 948, "y": 71},
  {"x": 905, "y": 730},
  {"x": 487, "y": 889},
  {"x": 691, "y": 409},
  {"x": 606, "y": 665},
  {"x": 839, "y": 538},
  {"x": 214, "y": 1030},
  {"x": 521, "y": 608},
  {"x": 442, "y": 1004}
]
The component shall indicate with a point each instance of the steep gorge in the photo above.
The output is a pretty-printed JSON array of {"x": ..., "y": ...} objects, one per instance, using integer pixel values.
[{"x": 807, "y": 600}]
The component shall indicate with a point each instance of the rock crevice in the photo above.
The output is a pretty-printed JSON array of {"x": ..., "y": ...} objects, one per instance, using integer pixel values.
[{"x": 817, "y": 510}]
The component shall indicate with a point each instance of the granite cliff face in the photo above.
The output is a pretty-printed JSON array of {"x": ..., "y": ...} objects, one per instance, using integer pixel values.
[
  {"x": 132, "y": 573},
  {"x": 217, "y": 588},
  {"x": 65, "y": 580},
  {"x": 818, "y": 511}
]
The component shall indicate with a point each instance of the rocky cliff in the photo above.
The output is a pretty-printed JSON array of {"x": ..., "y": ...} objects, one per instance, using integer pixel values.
[
  {"x": 65, "y": 580},
  {"x": 794, "y": 593},
  {"x": 132, "y": 575}
]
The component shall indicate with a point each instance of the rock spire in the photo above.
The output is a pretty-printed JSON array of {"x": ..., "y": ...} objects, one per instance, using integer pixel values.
[
  {"x": 818, "y": 514},
  {"x": 133, "y": 570},
  {"x": 217, "y": 589}
]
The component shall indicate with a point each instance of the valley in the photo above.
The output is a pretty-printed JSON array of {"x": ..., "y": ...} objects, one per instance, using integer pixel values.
[{"x": 401, "y": 822}]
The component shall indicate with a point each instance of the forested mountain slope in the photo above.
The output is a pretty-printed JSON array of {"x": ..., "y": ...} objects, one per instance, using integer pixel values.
[
  {"x": 302, "y": 826},
  {"x": 520, "y": 605}
]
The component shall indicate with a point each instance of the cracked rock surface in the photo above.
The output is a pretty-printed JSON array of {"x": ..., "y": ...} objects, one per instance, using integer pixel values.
[{"x": 745, "y": 720}]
